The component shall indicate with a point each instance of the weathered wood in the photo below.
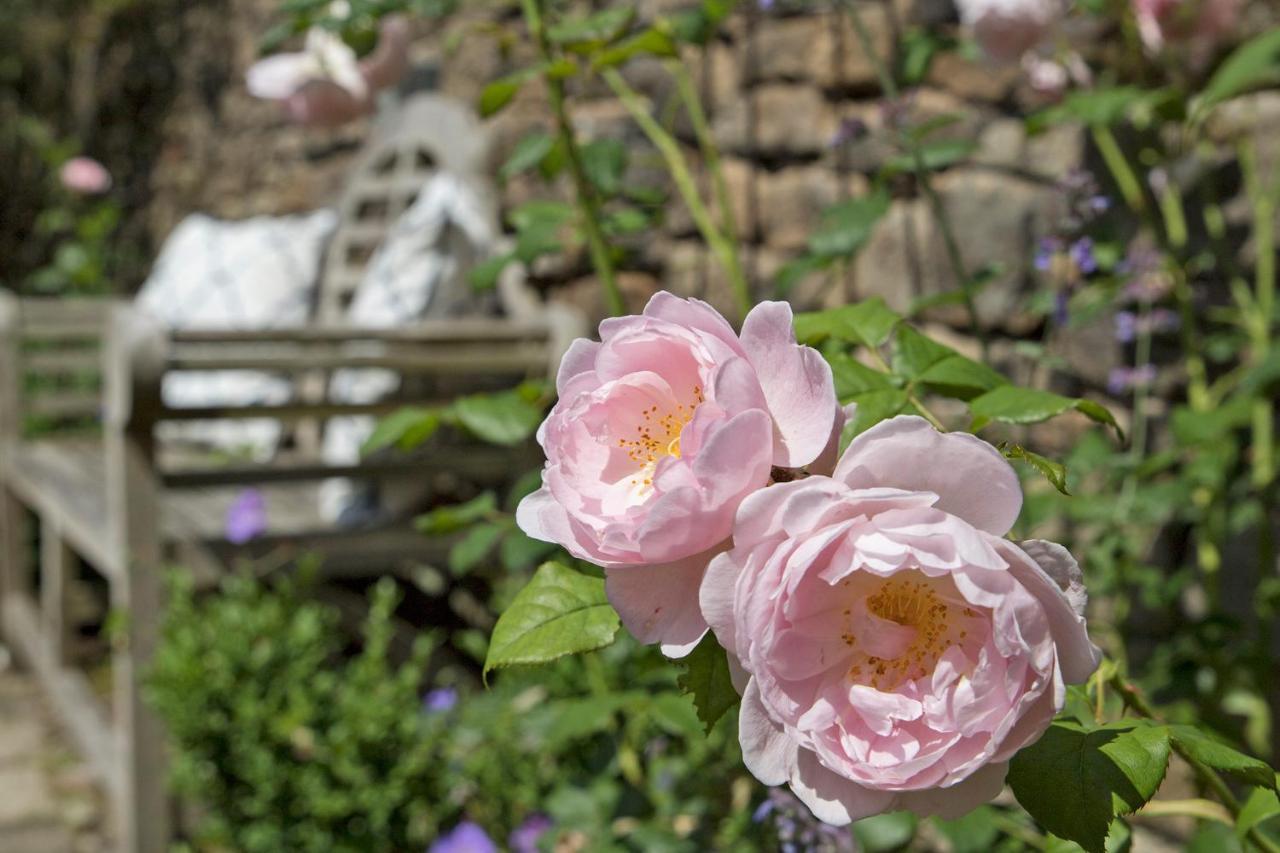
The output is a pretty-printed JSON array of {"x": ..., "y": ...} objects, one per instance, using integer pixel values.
[
  {"x": 57, "y": 568},
  {"x": 463, "y": 329},
  {"x": 63, "y": 481},
  {"x": 516, "y": 357},
  {"x": 14, "y": 557},
  {"x": 134, "y": 367},
  {"x": 80, "y": 360},
  {"x": 65, "y": 404},
  {"x": 79, "y": 709}
]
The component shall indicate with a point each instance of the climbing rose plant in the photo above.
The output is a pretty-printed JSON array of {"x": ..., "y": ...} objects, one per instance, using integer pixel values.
[{"x": 891, "y": 649}]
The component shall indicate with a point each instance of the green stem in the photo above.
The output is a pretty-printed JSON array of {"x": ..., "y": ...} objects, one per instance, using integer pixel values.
[
  {"x": 1118, "y": 165},
  {"x": 1134, "y": 699},
  {"x": 911, "y": 394},
  {"x": 669, "y": 148},
  {"x": 952, "y": 246},
  {"x": 707, "y": 144},
  {"x": 587, "y": 200}
]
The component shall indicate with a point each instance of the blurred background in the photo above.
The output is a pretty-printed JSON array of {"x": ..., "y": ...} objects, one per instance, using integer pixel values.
[{"x": 284, "y": 289}]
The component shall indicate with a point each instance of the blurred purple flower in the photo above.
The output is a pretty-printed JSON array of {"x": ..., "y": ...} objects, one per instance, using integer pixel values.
[
  {"x": 524, "y": 838},
  {"x": 1126, "y": 326},
  {"x": 246, "y": 517},
  {"x": 851, "y": 129},
  {"x": 466, "y": 837},
  {"x": 440, "y": 700},
  {"x": 1061, "y": 308},
  {"x": 1049, "y": 246},
  {"x": 762, "y": 811},
  {"x": 1122, "y": 379},
  {"x": 1082, "y": 256}
]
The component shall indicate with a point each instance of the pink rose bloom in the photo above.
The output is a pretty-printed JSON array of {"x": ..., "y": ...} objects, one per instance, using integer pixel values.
[
  {"x": 892, "y": 650},
  {"x": 661, "y": 429},
  {"x": 84, "y": 175},
  {"x": 1202, "y": 23},
  {"x": 325, "y": 85},
  {"x": 1006, "y": 29}
]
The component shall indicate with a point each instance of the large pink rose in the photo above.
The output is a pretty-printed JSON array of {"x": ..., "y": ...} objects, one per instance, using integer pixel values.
[
  {"x": 661, "y": 429},
  {"x": 1006, "y": 29},
  {"x": 892, "y": 650}
]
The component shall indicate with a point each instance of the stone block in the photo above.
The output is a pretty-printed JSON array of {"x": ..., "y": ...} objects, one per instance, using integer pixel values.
[{"x": 776, "y": 121}]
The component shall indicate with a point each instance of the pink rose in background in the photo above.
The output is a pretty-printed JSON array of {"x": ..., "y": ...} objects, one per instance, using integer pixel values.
[
  {"x": 1006, "y": 29},
  {"x": 325, "y": 85},
  {"x": 1202, "y": 23},
  {"x": 661, "y": 429},
  {"x": 892, "y": 650},
  {"x": 84, "y": 175}
]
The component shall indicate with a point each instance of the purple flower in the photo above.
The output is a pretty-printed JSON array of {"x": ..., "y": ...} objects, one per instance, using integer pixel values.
[
  {"x": 762, "y": 811},
  {"x": 1164, "y": 320},
  {"x": 1049, "y": 247},
  {"x": 466, "y": 837},
  {"x": 851, "y": 129},
  {"x": 1122, "y": 379},
  {"x": 246, "y": 517},
  {"x": 1098, "y": 203},
  {"x": 1082, "y": 256},
  {"x": 1126, "y": 326},
  {"x": 440, "y": 700},
  {"x": 524, "y": 838}
]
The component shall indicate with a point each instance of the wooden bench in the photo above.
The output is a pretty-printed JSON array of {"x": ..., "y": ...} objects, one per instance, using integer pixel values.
[{"x": 109, "y": 494}]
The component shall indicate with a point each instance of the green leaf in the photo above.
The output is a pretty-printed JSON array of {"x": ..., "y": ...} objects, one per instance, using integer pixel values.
[
  {"x": 448, "y": 519},
  {"x": 1262, "y": 805},
  {"x": 406, "y": 428},
  {"x": 1074, "y": 781},
  {"x": 1054, "y": 472},
  {"x": 504, "y": 417},
  {"x": 500, "y": 92},
  {"x": 853, "y": 377},
  {"x": 885, "y": 832},
  {"x": 529, "y": 152},
  {"x": 936, "y": 154},
  {"x": 706, "y": 679},
  {"x": 651, "y": 41},
  {"x": 626, "y": 220},
  {"x": 1013, "y": 404},
  {"x": 873, "y": 407},
  {"x": 604, "y": 161},
  {"x": 960, "y": 377},
  {"x": 867, "y": 323},
  {"x": 473, "y": 547},
  {"x": 845, "y": 227},
  {"x": 542, "y": 212},
  {"x": 1254, "y": 64},
  {"x": 597, "y": 28},
  {"x": 913, "y": 353},
  {"x": 559, "y": 612},
  {"x": 519, "y": 552},
  {"x": 1220, "y": 756},
  {"x": 485, "y": 275},
  {"x": 676, "y": 713},
  {"x": 976, "y": 832},
  {"x": 1101, "y": 107}
]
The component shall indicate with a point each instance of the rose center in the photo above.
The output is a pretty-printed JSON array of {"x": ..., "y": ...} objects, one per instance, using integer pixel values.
[
  {"x": 657, "y": 435},
  {"x": 931, "y": 622}
]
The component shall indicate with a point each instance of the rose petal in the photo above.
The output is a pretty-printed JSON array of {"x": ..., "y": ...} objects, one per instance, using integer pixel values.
[
  {"x": 659, "y": 604},
  {"x": 767, "y": 751},
  {"x": 832, "y": 798},
  {"x": 970, "y": 477},
  {"x": 959, "y": 799},
  {"x": 797, "y": 384},
  {"x": 1058, "y": 564}
]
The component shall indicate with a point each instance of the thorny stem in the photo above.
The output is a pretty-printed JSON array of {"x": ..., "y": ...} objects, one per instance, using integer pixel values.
[
  {"x": 669, "y": 148},
  {"x": 921, "y": 170},
  {"x": 1134, "y": 700},
  {"x": 587, "y": 200}
]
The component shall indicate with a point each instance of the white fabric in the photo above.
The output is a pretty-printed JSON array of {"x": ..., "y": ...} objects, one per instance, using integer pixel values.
[
  {"x": 257, "y": 273},
  {"x": 403, "y": 277}
]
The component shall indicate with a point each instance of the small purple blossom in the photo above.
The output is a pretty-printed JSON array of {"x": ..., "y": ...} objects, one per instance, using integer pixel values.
[
  {"x": 246, "y": 517},
  {"x": 762, "y": 811},
  {"x": 1082, "y": 256},
  {"x": 1123, "y": 379},
  {"x": 1061, "y": 308},
  {"x": 440, "y": 700},
  {"x": 1045, "y": 253},
  {"x": 851, "y": 129},
  {"x": 466, "y": 837},
  {"x": 1126, "y": 326},
  {"x": 524, "y": 838}
]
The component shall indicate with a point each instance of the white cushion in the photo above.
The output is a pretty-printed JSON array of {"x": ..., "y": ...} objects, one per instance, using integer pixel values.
[{"x": 253, "y": 274}]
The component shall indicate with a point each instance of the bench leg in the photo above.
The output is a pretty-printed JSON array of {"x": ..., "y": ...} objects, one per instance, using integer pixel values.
[
  {"x": 57, "y": 566},
  {"x": 142, "y": 800},
  {"x": 15, "y": 558}
]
